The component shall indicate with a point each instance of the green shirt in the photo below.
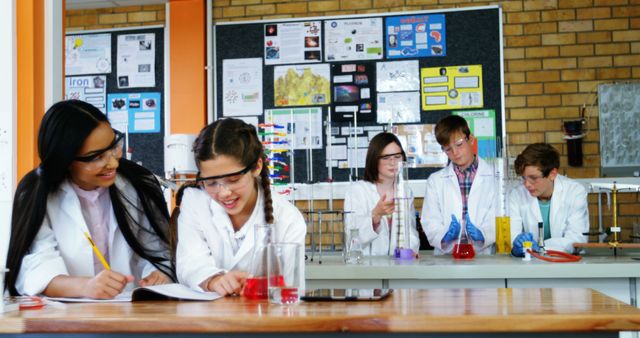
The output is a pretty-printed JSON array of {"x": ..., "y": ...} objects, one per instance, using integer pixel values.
[{"x": 545, "y": 208}]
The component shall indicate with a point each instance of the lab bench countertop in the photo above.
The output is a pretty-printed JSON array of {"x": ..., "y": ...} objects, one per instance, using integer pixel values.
[
  {"x": 429, "y": 266},
  {"x": 438, "y": 311}
]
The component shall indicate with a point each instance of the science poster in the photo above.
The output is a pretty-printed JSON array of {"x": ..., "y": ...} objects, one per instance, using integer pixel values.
[
  {"x": 416, "y": 36},
  {"x": 453, "y": 87},
  {"x": 401, "y": 107},
  {"x": 136, "y": 60},
  {"x": 353, "y": 90},
  {"x": 301, "y": 85},
  {"x": 91, "y": 89},
  {"x": 483, "y": 127},
  {"x": 303, "y": 126},
  {"x": 242, "y": 87},
  {"x": 420, "y": 145},
  {"x": 353, "y": 39},
  {"x": 292, "y": 42},
  {"x": 398, "y": 76},
  {"x": 135, "y": 112},
  {"x": 87, "y": 54}
]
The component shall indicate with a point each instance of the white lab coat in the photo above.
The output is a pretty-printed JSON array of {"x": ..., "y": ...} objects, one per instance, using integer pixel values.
[
  {"x": 569, "y": 215},
  {"x": 443, "y": 198},
  {"x": 205, "y": 235},
  {"x": 360, "y": 200},
  {"x": 61, "y": 248}
]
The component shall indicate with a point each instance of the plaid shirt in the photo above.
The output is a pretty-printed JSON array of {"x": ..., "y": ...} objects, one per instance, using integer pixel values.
[{"x": 465, "y": 180}]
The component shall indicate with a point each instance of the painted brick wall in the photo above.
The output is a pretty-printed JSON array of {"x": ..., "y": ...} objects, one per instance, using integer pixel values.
[{"x": 556, "y": 53}]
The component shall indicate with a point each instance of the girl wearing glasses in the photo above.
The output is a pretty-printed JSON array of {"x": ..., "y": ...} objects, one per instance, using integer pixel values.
[
  {"x": 216, "y": 222},
  {"x": 370, "y": 205},
  {"x": 547, "y": 197},
  {"x": 84, "y": 194}
]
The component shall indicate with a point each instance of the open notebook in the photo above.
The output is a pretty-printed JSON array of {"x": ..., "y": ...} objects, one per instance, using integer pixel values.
[{"x": 156, "y": 292}]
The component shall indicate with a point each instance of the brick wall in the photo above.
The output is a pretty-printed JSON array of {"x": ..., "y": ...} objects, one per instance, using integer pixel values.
[
  {"x": 556, "y": 53},
  {"x": 105, "y": 18}
]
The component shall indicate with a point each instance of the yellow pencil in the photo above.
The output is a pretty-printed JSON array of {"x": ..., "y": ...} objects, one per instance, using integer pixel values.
[{"x": 97, "y": 251}]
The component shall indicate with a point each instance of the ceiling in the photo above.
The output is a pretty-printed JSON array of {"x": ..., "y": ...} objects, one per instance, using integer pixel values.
[{"x": 90, "y": 4}]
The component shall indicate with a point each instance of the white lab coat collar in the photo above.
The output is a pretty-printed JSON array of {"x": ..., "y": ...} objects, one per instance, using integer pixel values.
[
  {"x": 556, "y": 215},
  {"x": 220, "y": 219}
]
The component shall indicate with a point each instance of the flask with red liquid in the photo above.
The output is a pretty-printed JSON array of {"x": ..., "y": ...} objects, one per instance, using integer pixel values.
[
  {"x": 256, "y": 285},
  {"x": 463, "y": 249}
]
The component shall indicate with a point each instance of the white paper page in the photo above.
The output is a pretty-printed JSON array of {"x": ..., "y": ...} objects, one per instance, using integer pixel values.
[
  {"x": 242, "y": 87},
  {"x": 121, "y": 298},
  {"x": 180, "y": 291}
]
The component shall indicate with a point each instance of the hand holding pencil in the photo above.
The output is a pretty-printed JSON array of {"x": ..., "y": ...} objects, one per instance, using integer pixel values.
[{"x": 107, "y": 284}]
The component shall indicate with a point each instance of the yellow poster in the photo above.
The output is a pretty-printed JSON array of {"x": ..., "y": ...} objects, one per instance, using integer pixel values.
[
  {"x": 301, "y": 85},
  {"x": 456, "y": 87}
]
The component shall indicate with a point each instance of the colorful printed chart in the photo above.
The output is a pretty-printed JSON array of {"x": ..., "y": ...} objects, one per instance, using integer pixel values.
[
  {"x": 454, "y": 87},
  {"x": 416, "y": 36},
  {"x": 301, "y": 85},
  {"x": 137, "y": 112},
  {"x": 483, "y": 127}
]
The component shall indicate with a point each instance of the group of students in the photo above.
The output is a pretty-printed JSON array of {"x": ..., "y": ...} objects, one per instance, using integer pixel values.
[
  {"x": 84, "y": 189},
  {"x": 464, "y": 194}
]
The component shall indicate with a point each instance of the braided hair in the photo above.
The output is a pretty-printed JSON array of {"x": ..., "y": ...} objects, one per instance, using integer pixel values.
[{"x": 239, "y": 140}]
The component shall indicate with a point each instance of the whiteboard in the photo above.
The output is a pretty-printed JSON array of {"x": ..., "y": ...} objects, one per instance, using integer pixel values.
[{"x": 619, "y": 106}]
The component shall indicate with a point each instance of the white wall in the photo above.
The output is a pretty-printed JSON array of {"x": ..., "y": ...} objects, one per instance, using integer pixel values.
[{"x": 7, "y": 120}]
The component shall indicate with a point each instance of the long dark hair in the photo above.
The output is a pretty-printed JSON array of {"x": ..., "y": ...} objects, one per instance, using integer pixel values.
[
  {"x": 63, "y": 130},
  {"x": 173, "y": 220},
  {"x": 238, "y": 140},
  {"x": 376, "y": 146}
]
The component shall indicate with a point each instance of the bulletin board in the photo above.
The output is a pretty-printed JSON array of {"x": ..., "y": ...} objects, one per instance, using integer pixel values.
[
  {"x": 140, "y": 98},
  {"x": 462, "y": 59}
]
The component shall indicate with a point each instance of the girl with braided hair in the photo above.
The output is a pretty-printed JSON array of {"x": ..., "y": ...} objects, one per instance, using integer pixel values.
[{"x": 216, "y": 222}]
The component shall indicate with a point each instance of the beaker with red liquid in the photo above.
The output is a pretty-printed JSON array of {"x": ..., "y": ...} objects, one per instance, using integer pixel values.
[
  {"x": 463, "y": 249},
  {"x": 256, "y": 285}
]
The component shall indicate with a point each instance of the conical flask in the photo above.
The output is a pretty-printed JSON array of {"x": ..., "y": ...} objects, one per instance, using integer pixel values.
[
  {"x": 463, "y": 248},
  {"x": 256, "y": 285}
]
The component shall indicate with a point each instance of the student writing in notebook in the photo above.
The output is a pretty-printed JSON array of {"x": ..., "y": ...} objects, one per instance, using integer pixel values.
[
  {"x": 84, "y": 188},
  {"x": 216, "y": 222}
]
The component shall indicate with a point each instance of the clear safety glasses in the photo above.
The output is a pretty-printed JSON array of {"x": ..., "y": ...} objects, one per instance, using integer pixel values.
[
  {"x": 232, "y": 181},
  {"x": 101, "y": 157},
  {"x": 395, "y": 157},
  {"x": 531, "y": 179},
  {"x": 457, "y": 144}
]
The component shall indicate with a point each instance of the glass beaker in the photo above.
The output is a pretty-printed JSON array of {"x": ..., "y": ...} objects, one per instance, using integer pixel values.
[
  {"x": 284, "y": 272},
  {"x": 402, "y": 215},
  {"x": 256, "y": 286},
  {"x": 353, "y": 249},
  {"x": 463, "y": 249}
]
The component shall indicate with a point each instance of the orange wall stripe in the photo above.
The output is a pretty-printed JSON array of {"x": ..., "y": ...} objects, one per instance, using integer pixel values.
[
  {"x": 187, "y": 57},
  {"x": 30, "y": 81}
]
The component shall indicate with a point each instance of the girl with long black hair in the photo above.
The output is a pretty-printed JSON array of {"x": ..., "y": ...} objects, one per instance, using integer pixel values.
[{"x": 84, "y": 189}]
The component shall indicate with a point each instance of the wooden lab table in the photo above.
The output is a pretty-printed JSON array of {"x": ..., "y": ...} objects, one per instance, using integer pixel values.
[{"x": 407, "y": 313}]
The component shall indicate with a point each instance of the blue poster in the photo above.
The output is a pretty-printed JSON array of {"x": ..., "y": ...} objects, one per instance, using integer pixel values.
[
  {"x": 137, "y": 112},
  {"x": 415, "y": 36}
]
